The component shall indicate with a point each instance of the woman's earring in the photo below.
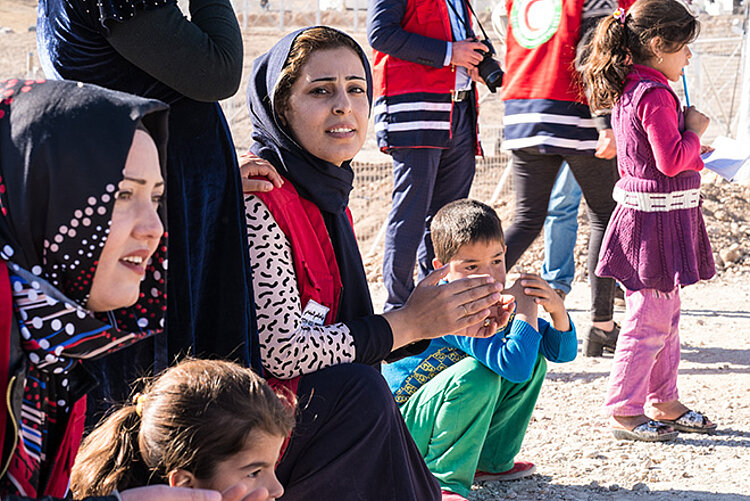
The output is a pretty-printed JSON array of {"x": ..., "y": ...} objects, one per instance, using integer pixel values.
[{"x": 661, "y": 59}]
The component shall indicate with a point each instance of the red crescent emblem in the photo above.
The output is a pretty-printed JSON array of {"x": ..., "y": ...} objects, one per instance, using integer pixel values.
[{"x": 526, "y": 15}]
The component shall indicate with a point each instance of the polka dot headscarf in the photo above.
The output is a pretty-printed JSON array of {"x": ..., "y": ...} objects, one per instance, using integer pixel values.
[{"x": 63, "y": 147}]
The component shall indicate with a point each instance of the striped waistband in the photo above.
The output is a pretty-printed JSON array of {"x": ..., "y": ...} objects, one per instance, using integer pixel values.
[{"x": 657, "y": 202}]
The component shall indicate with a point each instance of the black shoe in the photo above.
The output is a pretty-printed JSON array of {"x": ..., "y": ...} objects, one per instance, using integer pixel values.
[
  {"x": 597, "y": 340},
  {"x": 619, "y": 296}
]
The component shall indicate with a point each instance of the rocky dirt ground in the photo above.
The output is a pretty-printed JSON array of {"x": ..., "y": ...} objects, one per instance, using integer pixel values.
[{"x": 576, "y": 457}]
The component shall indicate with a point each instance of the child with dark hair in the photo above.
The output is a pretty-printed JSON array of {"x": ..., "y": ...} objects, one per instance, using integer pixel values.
[
  {"x": 202, "y": 424},
  {"x": 656, "y": 241},
  {"x": 468, "y": 401}
]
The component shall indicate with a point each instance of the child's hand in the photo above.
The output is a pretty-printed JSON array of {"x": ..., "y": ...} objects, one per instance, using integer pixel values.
[
  {"x": 537, "y": 288},
  {"x": 696, "y": 121},
  {"x": 499, "y": 315},
  {"x": 706, "y": 149},
  {"x": 526, "y": 307}
]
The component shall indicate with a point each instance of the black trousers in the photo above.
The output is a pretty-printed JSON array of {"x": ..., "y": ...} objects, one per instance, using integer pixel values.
[
  {"x": 534, "y": 175},
  {"x": 350, "y": 442}
]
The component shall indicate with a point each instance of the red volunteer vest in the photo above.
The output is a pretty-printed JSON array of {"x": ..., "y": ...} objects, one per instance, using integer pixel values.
[
  {"x": 393, "y": 76},
  {"x": 541, "y": 50},
  {"x": 315, "y": 264}
]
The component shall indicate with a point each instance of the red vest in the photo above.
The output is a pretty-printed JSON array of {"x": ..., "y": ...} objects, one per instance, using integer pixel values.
[
  {"x": 393, "y": 76},
  {"x": 315, "y": 264},
  {"x": 404, "y": 90},
  {"x": 541, "y": 50}
]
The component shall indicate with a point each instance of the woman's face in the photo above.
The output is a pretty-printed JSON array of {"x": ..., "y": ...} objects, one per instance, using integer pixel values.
[
  {"x": 134, "y": 231},
  {"x": 328, "y": 108},
  {"x": 254, "y": 467}
]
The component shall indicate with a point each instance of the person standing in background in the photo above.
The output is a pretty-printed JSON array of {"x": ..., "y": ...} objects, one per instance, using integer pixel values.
[
  {"x": 426, "y": 110},
  {"x": 547, "y": 122},
  {"x": 150, "y": 49},
  {"x": 561, "y": 223}
]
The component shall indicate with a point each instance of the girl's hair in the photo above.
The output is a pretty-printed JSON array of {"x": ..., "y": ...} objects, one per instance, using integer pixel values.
[
  {"x": 620, "y": 42},
  {"x": 306, "y": 43},
  {"x": 191, "y": 417}
]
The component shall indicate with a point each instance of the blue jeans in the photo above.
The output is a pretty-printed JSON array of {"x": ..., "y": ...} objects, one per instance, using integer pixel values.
[{"x": 560, "y": 231}]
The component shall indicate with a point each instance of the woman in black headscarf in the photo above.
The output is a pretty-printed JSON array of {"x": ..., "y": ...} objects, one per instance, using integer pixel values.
[
  {"x": 309, "y": 100},
  {"x": 82, "y": 260}
]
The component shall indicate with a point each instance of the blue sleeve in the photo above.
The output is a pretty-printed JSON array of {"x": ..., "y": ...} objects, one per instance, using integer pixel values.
[
  {"x": 511, "y": 356},
  {"x": 385, "y": 34},
  {"x": 558, "y": 346}
]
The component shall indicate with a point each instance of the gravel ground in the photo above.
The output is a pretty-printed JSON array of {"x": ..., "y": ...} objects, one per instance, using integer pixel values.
[{"x": 578, "y": 459}]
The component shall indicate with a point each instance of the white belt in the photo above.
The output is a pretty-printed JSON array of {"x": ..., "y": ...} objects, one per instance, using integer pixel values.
[{"x": 657, "y": 202}]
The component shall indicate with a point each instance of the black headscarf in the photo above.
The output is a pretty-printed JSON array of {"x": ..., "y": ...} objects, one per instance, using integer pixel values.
[
  {"x": 63, "y": 147},
  {"x": 323, "y": 183}
]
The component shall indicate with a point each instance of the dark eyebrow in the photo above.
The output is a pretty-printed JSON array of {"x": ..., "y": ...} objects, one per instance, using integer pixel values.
[
  {"x": 475, "y": 260},
  {"x": 142, "y": 181},
  {"x": 257, "y": 464},
  {"x": 331, "y": 79}
]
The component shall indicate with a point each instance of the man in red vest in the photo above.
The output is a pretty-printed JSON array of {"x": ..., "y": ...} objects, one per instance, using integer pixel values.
[{"x": 426, "y": 118}]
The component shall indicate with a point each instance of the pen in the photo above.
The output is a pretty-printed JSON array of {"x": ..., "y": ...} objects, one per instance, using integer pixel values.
[{"x": 684, "y": 86}]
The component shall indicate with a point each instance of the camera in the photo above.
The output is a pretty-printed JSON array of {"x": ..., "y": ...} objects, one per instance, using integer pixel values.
[{"x": 488, "y": 68}]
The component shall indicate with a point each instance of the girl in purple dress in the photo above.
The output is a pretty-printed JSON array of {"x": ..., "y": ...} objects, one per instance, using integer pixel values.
[{"x": 656, "y": 241}]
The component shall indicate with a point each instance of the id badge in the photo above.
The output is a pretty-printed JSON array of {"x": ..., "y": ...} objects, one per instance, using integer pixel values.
[{"x": 314, "y": 313}]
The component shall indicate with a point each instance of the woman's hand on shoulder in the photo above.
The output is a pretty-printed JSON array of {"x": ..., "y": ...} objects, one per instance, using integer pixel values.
[
  {"x": 252, "y": 166},
  {"x": 463, "y": 307}
]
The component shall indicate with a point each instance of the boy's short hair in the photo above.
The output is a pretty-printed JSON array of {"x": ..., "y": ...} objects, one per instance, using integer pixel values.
[{"x": 463, "y": 222}]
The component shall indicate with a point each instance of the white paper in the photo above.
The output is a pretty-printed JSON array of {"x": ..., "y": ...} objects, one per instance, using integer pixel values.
[{"x": 730, "y": 159}]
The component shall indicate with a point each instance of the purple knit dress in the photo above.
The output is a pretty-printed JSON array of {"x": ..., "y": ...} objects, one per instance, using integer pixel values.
[{"x": 651, "y": 250}]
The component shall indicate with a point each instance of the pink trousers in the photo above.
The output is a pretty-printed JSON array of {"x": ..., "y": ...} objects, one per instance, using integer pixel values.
[{"x": 647, "y": 356}]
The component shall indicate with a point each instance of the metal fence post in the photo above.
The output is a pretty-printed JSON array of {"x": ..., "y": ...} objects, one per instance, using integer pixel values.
[
  {"x": 743, "y": 129},
  {"x": 355, "y": 26}
]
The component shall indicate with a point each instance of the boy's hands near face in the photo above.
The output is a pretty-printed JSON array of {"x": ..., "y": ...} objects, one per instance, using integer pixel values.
[
  {"x": 499, "y": 316},
  {"x": 536, "y": 288}
]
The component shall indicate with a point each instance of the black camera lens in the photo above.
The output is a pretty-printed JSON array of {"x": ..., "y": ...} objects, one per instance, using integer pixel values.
[{"x": 489, "y": 69}]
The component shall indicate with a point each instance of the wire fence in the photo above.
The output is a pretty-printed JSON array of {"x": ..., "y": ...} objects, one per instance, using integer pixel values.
[
  {"x": 370, "y": 201},
  {"x": 714, "y": 81},
  {"x": 348, "y": 14}
]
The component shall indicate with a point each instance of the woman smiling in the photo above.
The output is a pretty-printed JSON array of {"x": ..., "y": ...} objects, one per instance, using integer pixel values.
[
  {"x": 83, "y": 260},
  {"x": 309, "y": 99}
]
